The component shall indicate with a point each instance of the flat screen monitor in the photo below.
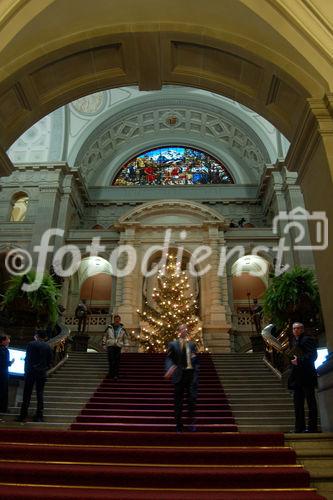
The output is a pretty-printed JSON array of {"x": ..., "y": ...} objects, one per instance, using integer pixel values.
[
  {"x": 17, "y": 368},
  {"x": 321, "y": 356}
]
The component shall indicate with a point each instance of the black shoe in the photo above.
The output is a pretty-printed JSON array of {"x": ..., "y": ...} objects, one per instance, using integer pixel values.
[
  {"x": 38, "y": 419},
  {"x": 192, "y": 428},
  {"x": 179, "y": 428}
]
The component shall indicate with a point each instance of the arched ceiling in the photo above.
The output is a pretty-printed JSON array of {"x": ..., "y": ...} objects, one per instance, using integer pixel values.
[
  {"x": 100, "y": 132},
  {"x": 259, "y": 53}
]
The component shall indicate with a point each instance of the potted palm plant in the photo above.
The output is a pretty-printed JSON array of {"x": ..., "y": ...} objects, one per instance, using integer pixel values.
[
  {"x": 31, "y": 309},
  {"x": 292, "y": 296}
]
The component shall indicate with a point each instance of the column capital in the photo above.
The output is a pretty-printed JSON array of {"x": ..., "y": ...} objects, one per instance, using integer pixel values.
[{"x": 315, "y": 124}]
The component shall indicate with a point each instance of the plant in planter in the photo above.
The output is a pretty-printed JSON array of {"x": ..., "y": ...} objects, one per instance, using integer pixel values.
[
  {"x": 292, "y": 296},
  {"x": 34, "y": 308}
]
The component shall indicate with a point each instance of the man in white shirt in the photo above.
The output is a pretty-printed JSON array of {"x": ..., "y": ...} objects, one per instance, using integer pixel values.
[{"x": 182, "y": 366}]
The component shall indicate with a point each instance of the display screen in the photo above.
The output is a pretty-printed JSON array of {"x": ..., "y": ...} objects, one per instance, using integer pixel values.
[
  {"x": 322, "y": 353},
  {"x": 17, "y": 368}
]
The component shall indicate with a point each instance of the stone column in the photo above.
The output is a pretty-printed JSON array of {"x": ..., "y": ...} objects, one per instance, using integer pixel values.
[
  {"x": 281, "y": 206},
  {"x": 45, "y": 218},
  {"x": 62, "y": 220},
  {"x": 216, "y": 328},
  {"x": 295, "y": 202},
  {"x": 126, "y": 305},
  {"x": 311, "y": 155}
]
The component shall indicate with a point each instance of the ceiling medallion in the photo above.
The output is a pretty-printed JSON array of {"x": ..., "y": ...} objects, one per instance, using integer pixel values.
[
  {"x": 172, "y": 121},
  {"x": 89, "y": 104}
]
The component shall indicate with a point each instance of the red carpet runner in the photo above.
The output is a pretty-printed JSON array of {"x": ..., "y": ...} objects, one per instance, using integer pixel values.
[
  {"x": 142, "y": 400},
  {"x": 124, "y": 462}
]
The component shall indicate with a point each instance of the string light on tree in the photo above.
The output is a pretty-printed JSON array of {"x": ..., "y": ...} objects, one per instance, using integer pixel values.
[{"x": 173, "y": 306}]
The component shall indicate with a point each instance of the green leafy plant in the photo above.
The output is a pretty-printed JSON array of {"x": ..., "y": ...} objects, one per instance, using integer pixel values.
[
  {"x": 292, "y": 296},
  {"x": 42, "y": 302}
]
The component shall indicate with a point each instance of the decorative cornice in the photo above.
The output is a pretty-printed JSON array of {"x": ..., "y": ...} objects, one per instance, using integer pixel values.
[{"x": 181, "y": 206}]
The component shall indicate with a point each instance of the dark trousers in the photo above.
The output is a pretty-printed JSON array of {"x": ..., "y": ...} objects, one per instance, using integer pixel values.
[
  {"x": 81, "y": 327},
  {"x": 3, "y": 392},
  {"x": 302, "y": 393},
  {"x": 30, "y": 380},
  {"x": 114, "y": 360},
  {"x": 186, "y": 386}
]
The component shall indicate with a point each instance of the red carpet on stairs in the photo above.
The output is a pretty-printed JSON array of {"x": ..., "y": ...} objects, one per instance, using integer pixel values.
[
  {"x": 142, "y": 399},
  {"x": 121, "y": 452}
]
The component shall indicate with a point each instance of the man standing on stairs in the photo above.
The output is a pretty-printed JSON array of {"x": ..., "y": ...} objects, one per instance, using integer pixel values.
[
  {"x": 81, "y": 312},
  {"x": 114, "y": 340},
  {"x": 182, "y": 365},
  {"x": 38, "y": 360},
  {"x": 303, "y": 378}
]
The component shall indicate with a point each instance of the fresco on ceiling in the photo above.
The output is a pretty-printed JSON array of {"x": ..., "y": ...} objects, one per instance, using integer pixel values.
[{"x": 172, "y": 165}]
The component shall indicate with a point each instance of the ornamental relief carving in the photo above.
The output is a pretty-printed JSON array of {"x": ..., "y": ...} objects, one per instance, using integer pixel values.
[
  {"x": 90, "y": 104},
  {"x": 148, "y": 124}
]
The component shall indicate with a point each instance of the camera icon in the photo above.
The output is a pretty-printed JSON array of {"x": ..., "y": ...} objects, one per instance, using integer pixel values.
[{"x": 295, "y": 220}]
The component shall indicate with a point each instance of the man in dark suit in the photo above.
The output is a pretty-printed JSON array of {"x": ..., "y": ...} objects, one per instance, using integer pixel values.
[
  {"x": 182, "y": 366},
  {"x": 303, "y": 379},
  {"x": 38, "y": 360},
  {"x": 4, "y": 365}
]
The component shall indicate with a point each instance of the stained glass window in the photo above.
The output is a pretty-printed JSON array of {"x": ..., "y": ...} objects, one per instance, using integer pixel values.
[{"x": 173, "y": 165}]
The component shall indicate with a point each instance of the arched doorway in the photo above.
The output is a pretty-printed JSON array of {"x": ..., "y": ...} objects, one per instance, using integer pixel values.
[{"x": 250, "y": 275}]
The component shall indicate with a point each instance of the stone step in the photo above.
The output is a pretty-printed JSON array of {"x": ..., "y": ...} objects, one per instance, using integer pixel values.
[
  {"x": 263, "y": 413},
  {"x": 271, "y": 406}
]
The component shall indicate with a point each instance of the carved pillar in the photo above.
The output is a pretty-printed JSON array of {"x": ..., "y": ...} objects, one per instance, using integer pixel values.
[
  {"x": 125, "y": 285},
  {"x": 46, "y": 218},
  {"x": 281, "y": 206},
  {"x": 295, "y": 202},
  {"x": 216, "y": 328}
]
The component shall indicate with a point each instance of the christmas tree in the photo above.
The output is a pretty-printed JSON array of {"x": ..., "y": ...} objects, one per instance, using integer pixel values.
[{"x": 174, "y": 305}]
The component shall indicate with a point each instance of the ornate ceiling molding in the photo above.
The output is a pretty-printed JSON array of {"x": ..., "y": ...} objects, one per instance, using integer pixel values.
[{"x": 184, "y": 120}]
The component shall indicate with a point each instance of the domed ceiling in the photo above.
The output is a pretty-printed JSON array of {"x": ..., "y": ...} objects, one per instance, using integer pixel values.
[{"x": 99, "y": 133}]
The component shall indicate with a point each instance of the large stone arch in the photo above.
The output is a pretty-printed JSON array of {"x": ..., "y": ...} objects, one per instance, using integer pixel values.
[
  {"x": 150, "y": 46},
  {"x": 187, "y": 212},
  {"x": 274, "y": 57}
]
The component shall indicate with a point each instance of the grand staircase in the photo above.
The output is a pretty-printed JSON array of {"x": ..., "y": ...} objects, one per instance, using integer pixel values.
[
  {"x": 123, "y": 445},
  {"x": 136, "y": 438},
  {"x": 68, "y": 389},
  {"x": 259, "y": 401},
  {"x": 142, "y": 399}
]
